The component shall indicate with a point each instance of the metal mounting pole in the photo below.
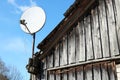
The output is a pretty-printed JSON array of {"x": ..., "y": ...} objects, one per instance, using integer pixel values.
[{"x": 33, "y": 45}]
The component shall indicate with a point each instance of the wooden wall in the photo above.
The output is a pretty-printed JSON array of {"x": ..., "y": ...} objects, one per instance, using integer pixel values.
[{"x": 94, "y": 37}]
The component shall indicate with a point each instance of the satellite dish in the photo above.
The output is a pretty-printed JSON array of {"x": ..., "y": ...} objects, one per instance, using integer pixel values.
[{"x": 32, "y": 20}]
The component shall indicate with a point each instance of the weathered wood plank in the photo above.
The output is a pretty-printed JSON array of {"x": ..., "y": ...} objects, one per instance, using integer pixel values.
[
  {"x": 51, "y": 77},
  {"x": 97, "y": 72},
  {"x": 116, "y": 5},
  {"x": 44, "y": 63},
  {"x": 77, "y": 42},
  {"x": 112, "y": 30},
  {"x": 111, "y": 70},
  {"x": 71, "y": 75},
  {"x": 50, "y": 60},
  {"x": 88, "y": 38},
  {"x": 79, "y": 73},
  {"x": 103, "y": 28},
  {"x": 96, "y": 34},
  {"x": 88, "y": 72},
  {"x": 104, "y": 74},
  {"x": 71, "y": 46},
  {"x": 58, "y": 77},
  {"x": 56, "y": 54},
  {"x": 64, "y": 76},
  {"x": 63, "y": 51},
  {"x": 80, "y": 42}
]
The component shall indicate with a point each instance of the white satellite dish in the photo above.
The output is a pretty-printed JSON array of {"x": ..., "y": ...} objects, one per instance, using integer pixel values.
[{"x": 32, "y": 20}]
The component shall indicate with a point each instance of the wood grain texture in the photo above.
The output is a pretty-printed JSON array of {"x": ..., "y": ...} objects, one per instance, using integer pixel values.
[
  {"x": 116, "y": 5},
  {"x": 71, "y": 46},
  {"x": 71, "y": 76},
  {"x": 89, "y": 45},
  {"x": 104, "y": 72},
  {"x": 111, "y": 26},
  {"x": 56, "y": 54},
  {"x": 63, "y": 52},
  {"x": 96, "y": 34},
  {"x": 97, "y": 72},
  {"x": 103, "y": 28},
  {"x": 88, "y": 72},
  {"x": 80, "y": 42}
]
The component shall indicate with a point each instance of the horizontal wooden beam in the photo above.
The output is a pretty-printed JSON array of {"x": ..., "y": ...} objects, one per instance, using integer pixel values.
[{"x": 116, "y": 58}]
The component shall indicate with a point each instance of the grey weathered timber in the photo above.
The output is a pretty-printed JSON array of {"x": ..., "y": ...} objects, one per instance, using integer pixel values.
[
  {"x": 104, "y": 75},
  {"x": 88, "y": 72},
  {"x": 71, "y": 75},
  {"x": 88, "y": 38},
  {"x": 79, "y": 72},
  {"x": 77, "y": 42},
  {"x": 64, "y": 76},
  {"x": 56, "y": 54},
  {"x": 50, "y": 60},
  {"x": 111, "y": 26},
  {"x": 103, "y": 28},
  {"x": 45, "y": 69},
  {"x": 117, "y": 16},
  {"x": 63, "y": 58},
  {"x": 86, "y": 62},
  {"x": 44, "y": 65},
  {"x": 51, "y": 77},
  {"x": 97, "y": 71},
  {"x": 111, "y": 71},
  {"x": 58, "y": 77},
  {"x": 80, "y": 42},
  {"x": 61, "y": 53},
  {"x": 71, "y": 46},
  {"x": 96, "y": 34}
]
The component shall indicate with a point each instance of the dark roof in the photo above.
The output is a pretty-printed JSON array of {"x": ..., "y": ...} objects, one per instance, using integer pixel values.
[{"x": 72, "y": 15}]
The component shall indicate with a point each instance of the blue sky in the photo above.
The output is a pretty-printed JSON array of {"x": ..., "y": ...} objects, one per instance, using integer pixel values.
[{"x": 15, "y": 45}]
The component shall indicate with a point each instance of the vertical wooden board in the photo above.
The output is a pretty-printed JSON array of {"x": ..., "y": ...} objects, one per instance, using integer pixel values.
[
  {"x": 71, "y": 47},
  {"x": 80, "y": 73},
  {"x": 50, "y": 60},
  {"x": 111, "y": 70},
  {"x": 77, "y": 42},
  {"x": 71, "y": 75},
  {"x": 44, "y": 63},
  {"x": 97, "y": 72},
  {"x": 103, "y": 28},
  {"x": 45, "y": 74},
  {"x": 112, "y": 30},
  {"x": 104, "y": 74},
  {"x": 88, "y": 38},
  {"x": 63, "y": 51},
  {"x": 96, "y": 34},
  {"x": 56, "y": 54},
  {"x": 33, "y": 77},
  {"x": 58, "y": 77},
  {"x": 116, "y": 5},
  {"x": 64, "y": 76},
  {"x": 88, "y": 72},
  {"x": 80, "y": 42},
  {"x": 51, "y": 77},
  {"x": 82, "y": 52}
]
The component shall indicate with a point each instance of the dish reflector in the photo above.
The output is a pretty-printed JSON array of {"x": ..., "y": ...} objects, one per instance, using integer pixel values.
[{"x": 32, "y": 20}]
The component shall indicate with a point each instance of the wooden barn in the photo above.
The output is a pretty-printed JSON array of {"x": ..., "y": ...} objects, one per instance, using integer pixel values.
[{"x": 85, "y": 45}]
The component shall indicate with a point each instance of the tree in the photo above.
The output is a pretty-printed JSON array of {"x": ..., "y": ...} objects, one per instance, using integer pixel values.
[
  {"x": 14, "y": 74},
  {"x": 10, "y": 73},
  {"x": 3, "y": 71}
]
